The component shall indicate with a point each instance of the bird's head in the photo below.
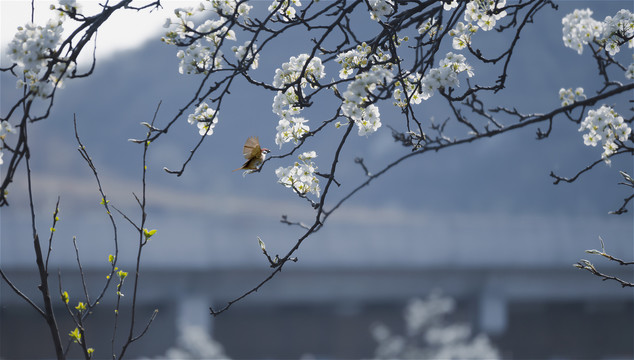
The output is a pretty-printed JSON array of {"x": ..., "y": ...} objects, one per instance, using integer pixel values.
[{"x": 265, "y": 151}]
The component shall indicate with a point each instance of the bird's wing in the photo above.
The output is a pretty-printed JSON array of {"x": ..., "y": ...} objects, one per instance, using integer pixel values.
[{"x": 251, "y": 148}]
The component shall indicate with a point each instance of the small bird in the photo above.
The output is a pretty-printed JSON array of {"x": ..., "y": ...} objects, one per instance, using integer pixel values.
[{"x": 254, "y": 154}]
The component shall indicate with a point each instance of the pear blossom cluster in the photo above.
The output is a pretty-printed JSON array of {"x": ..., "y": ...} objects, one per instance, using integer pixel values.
[
  {"x": 204, "y": 54},
  {"x": 410, "y": 88},
  {"x": 357, "y": 105},
  {"x": 485, "y": 13},
  {"x": 205, "y": 118},
  {"x": 33, "y": 49},
  {"x": 301, "y": 176},
  {"x": 568, "y": 97},
  {"x": 479, "y": 14},
  {"x": 616, "y": 28},
  {"x": 356, "y": 100},
  {"x": 380, "y": 8},
  {"x": 415, "y": 87},
  {"x": 227, "y": 8},
  {"x": 290, "y": 129},
  {"x": 33, "y": 45},
  {"x": 245, "y": 53},
  {"x": 291, "y": 71},
  {"x": 461, "y": 35},
  {"x": 579, "y": 29},
  {"x": 5, "y": 128},
  {"x": 285, "y": 103},
  {"x": 442, "y": 77},
  {"x": 366, "y": 117},
  {"x": 451, "y": 5},
  {"x": 353, "y": 59},
  {"x": 605, "y": 126},
  {"x": 286, "y": 8}
]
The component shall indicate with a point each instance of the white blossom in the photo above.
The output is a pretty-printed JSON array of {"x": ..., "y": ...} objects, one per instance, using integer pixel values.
[
  {"x": 301, "y": 176},
  {"x": 246, "y": 52},
  {"x": 485, "y": 12},
  {"x": 579, "y": 29},
  {"x": 286, "y": 8},
  {"x": 411, "y": 88},
  {"x": 284, "y": 103},
  {"x": 205, "y": 119},
  {"x": 32, "y": 49},
  {"x": 616, "y": 28},
  {"x": 444, "y": 76},
  {"x": 353, "y": 59},
  {"x": 227, "y": 8},
  {"x": 568, "y": 96},
  {"x": 203, "y": 53},
  {"x": 198, "y": 58},
  {"x": 291, "y": 71},
  {"x": 605, "y": 125},
  {"x": 290, "y": 129},
  {"x": 366, "y": 117},
  {"x": 356, "y": 105},
  {"x": 380, "y": 8},
  {"x": 462, "y": 35},
  {"x": 448, "y": 6}
]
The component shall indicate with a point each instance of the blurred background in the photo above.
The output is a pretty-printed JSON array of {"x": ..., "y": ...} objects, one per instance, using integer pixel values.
[{"x": 477, "y": 233}]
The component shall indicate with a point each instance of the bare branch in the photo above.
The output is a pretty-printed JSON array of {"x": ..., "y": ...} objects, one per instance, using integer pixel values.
[{"x": 587, "y": 265}]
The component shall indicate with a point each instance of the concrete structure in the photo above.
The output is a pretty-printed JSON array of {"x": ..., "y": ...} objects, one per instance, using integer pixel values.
[{"x": 523, "y": 310}]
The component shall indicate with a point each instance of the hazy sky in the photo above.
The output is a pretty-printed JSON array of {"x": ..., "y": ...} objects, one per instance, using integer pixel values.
[{"x": 125, "y": 30}]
